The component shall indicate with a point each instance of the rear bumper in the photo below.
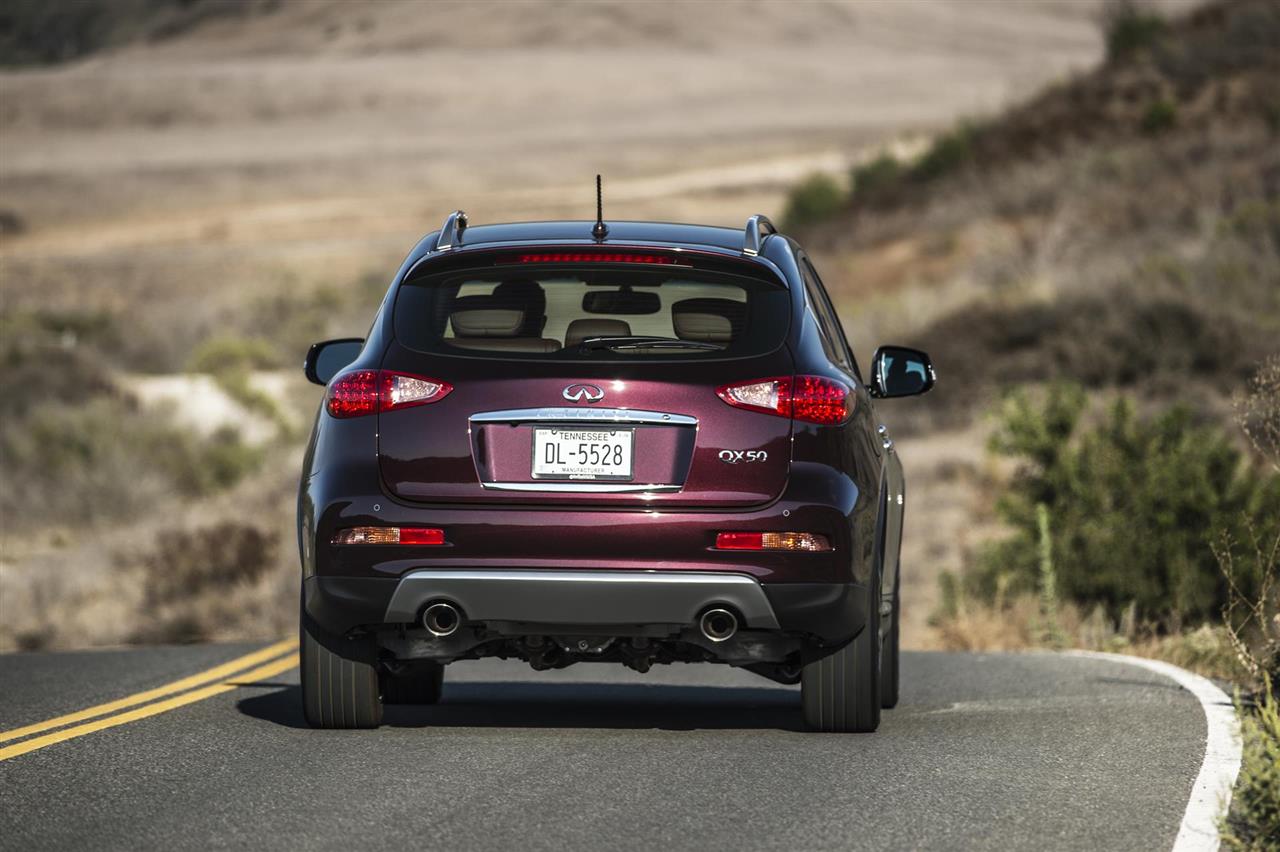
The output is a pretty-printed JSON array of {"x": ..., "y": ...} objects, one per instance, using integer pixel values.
[
  {"x": 819, "y": 596},
  {"x": 829, "y": 613},
  {"x": 817, "y": 499}
]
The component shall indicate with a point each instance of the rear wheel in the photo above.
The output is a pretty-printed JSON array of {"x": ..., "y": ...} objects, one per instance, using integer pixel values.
[
  {"x": 889, "y": 658},
  {"x": 339, "y": 680},
  {"x": 840, "y": 693},
  {"x": 418, "y": 685}
]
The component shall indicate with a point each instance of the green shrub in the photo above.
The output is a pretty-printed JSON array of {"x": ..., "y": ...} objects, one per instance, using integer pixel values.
[
  {"x": 1051, "y": 633},
  {"x": 294, "y": 315},
  {"x": 1252, "y": 611},
  {"x": 187, "y": 563},
  {"x": 1129, "y": 28},
  {"x": 1135, "y": 504},
  {"x": 949, "y": 153},
  {"x": 1253, "y": 822},
  {"x": 198, "y": 582},
  {"x": 1154, "y": 346},
  {"x": 876, "y": 177},
  {"x": 1271, "y": 115},
  {"x": 820, "y": 197},
  {"x": 1160, "y": 116},
  {"x": 1255, "y": 220},
  {"x": 229, "y": 354},
  {"x": 105, "y": 458},
  {"x": 34, "y": 375},
  {"x": 230, "y": 360},
  {"x": 40, "y": 32},
  {"x": 199, "y": 467},
  {"x": 816, "y": 198}
]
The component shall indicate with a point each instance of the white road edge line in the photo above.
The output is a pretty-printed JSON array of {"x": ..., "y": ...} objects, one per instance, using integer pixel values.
[{"x": 1211, "y": 793}]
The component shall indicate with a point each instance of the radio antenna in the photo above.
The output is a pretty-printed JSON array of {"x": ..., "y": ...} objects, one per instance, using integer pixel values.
[{"x": 600, "y": 230}]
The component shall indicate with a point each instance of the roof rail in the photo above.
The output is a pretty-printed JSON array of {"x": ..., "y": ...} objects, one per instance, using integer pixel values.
[
  {"x": 451, "y": 231},
  {"x": 758, "y": 227}
]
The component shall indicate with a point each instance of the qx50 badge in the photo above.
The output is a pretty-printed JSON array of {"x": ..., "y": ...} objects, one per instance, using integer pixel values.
[{"x": 735, "y": 456}]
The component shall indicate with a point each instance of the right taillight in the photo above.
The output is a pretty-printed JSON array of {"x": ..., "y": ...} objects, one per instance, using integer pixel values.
[
  {"x": 813, "y": 399},
  {"x": 362, "y": 392}
]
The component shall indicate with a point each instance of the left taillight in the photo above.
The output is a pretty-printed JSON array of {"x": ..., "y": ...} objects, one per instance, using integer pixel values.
[
  {"x": 813, "y": 399},
  {"x": 362, "y": 392}
]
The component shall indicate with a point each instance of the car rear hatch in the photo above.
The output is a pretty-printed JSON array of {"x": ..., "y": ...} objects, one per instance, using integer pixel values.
[{"x": 585, "y": 378}]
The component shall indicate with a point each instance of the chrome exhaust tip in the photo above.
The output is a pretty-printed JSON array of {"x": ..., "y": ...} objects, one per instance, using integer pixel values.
[
  {"x": 718, "y": 625},
  {"x": 441, "y": 619}
]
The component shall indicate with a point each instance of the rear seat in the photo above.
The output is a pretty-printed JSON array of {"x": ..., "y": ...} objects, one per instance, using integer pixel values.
[
  {"x": 709, "y": 320},
  {"x": 495, "y": 329},
  {"x": 580, "y": 329}
]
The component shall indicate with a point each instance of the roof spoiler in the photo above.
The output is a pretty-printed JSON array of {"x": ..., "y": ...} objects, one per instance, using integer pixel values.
[{"x": 758, "y": 227}]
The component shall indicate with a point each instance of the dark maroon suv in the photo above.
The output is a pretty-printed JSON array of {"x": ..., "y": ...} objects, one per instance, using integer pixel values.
[{"x": 639, "y": 444}]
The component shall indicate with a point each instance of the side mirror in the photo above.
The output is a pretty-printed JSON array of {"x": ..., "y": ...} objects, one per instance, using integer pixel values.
[
  {"x": 899, "y": 371},
  {"x": 326, "y": 358}
]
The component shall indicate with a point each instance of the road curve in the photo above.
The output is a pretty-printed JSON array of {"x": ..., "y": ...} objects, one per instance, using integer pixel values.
[{"x": 984, "y": 751}]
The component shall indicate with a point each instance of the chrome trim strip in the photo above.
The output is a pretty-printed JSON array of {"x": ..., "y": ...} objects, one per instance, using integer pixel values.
[
  {"x": 604, "y": 415},
  {"x": 451, "y": 231},
  {"x": 579, "y": 415},
  {"x": 646, "y": 577},
  {"x": 570, "y": 486},
  {"x": 753, "y": 237},
  {"x": 624, "y": 597}
]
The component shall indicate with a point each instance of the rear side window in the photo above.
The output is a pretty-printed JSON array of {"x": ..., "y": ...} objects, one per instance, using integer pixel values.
[
  {"x": 595, "y": 314},
  {"x": 832, "y": 334}
]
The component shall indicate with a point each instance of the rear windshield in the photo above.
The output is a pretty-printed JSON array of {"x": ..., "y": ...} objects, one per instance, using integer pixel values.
[{"x": 615, "y": 313}]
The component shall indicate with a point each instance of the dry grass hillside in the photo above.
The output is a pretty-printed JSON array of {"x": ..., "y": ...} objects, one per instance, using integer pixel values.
[
  {"x": 204, "y": 188},
  {"x": 1120, "y": 230}
]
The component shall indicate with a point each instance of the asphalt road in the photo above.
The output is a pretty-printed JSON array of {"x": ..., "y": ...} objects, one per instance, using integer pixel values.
[{"x": 985, "y": 751}]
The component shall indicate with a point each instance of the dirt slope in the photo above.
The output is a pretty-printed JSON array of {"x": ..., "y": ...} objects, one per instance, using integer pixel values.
[{"x": 412, "y": 108}]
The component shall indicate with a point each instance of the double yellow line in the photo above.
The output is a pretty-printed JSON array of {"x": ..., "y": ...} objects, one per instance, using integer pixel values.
[{"x": 214, "y": 681}]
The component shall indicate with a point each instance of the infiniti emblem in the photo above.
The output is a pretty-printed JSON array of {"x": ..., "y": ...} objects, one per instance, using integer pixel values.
[{"x": 579, "y": 393}]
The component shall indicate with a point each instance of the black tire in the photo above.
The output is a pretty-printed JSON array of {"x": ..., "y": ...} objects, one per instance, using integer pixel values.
[
  {"x": 339, "y": 680},
  {"x": 840, "y": 693},
  {"x": 419, "y": 685},
  {"x": 889, "y": 658}
]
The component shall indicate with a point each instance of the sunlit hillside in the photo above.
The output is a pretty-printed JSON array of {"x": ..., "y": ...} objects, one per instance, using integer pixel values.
[
  {"x": 1120, "y": 230},
  {"x": 191, "y": 196}
]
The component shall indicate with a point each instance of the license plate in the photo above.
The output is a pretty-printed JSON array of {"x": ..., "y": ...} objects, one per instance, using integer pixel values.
[{"x": 572, "y": 453}]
